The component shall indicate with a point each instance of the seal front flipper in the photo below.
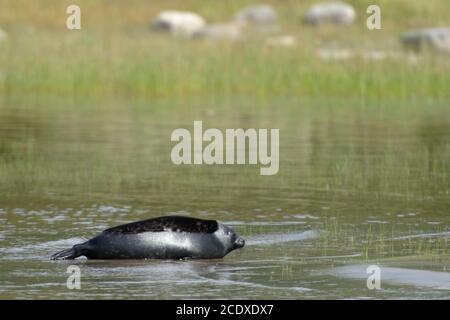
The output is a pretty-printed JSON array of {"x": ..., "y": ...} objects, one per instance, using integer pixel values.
[{"x": 70, "y": 254}]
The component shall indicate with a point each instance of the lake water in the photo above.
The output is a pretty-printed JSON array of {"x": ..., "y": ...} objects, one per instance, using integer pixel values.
[{"x": 359, "y": 184}]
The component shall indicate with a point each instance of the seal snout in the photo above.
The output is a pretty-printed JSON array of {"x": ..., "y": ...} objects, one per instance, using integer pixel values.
[{"x": 239, "y": 243}]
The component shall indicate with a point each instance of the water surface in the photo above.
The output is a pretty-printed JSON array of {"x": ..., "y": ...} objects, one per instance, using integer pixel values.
[{"x": 358, "y": 184}]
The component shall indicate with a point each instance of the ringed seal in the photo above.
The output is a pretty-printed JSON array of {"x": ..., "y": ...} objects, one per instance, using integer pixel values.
[{"x": 167, "y": 237}]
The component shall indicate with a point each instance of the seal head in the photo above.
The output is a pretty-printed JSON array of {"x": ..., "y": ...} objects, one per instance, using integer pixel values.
[{"x": 229, "y": 238}]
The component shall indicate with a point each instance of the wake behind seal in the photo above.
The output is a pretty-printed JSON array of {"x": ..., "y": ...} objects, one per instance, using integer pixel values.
[{"x": 167, "y": 237}]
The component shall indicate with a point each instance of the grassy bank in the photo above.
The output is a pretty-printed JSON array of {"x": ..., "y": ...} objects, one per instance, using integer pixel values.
[{"x": 116, "y": 53}]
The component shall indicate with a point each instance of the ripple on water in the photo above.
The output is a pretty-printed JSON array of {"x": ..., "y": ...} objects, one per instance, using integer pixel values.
[
  {"x": 397, "y": 276},
  {"x": 305, "y": 216},
  {"x": 265, "y": 223},
  {"x": 268, "y": 239},
  {"x": 37, "y": 251}
]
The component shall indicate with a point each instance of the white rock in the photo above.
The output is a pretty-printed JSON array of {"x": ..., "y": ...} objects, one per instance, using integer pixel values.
[
  {"x": 339, "y": 13},
  {"x": 285, "y": 41},
  {"x": 335, "y": 54},
  {"x": 437, "y": 39},
  {"x": 178, "y": 22},
  {"x": 223, "y": 31},
  {"x": 258, "y": 14},
  {"x": 365, "y": 54}
]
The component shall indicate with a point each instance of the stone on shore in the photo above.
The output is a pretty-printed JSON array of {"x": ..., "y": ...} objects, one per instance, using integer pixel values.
[
  {"x": 257, "y": 14},
  {"x": 182, "y": 23},
  {"x": 437, "y": 39},
  {"x": 337, "y": 13}
]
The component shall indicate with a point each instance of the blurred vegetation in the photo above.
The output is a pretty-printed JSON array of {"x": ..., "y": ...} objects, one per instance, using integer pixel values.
[{"x": 116, "y": 53}]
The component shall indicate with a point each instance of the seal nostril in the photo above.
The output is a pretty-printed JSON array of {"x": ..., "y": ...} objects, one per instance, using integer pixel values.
[{"x": 240, "y": 243}]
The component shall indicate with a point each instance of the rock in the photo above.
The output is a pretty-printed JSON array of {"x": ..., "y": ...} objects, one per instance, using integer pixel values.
[
  {"x": 257, "y": 14},
  {"x": 378, "y": 55},
  {"x": 285, "y": 41},
  {"x": 222, "y": 31},
  {"x": 381, "y": 55},
  {"x": 438, "y": 39},
  {"x": 338, "y": 13},
  {"x": 335, "y": 54},
  {"x": 178, "y": 22}
]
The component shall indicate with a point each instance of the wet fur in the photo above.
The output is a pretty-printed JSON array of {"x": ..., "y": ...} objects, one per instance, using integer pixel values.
[{"x": 173, "y": 223}]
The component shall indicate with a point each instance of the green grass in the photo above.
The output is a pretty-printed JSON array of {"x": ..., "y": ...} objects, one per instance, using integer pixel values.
[{"x": 115, "y": 53}]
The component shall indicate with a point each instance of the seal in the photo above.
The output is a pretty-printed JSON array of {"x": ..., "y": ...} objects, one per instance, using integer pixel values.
[{"x": 167, "y": 237}]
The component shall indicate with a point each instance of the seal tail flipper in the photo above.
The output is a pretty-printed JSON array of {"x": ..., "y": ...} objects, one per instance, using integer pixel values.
[{"x": 69, "y": 254}]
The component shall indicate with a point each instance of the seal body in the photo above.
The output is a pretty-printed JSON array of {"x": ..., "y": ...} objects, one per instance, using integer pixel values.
[{"x": 169, "y": 237}]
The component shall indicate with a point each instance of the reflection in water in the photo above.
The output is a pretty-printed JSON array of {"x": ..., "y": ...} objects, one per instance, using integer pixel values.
[
  {"x": 435, "y": 136},
  {"x": 270, "y": 239}
]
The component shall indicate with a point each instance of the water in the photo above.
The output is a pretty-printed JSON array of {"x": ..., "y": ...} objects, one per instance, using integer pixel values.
[{"x": 359, "y": 184}]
